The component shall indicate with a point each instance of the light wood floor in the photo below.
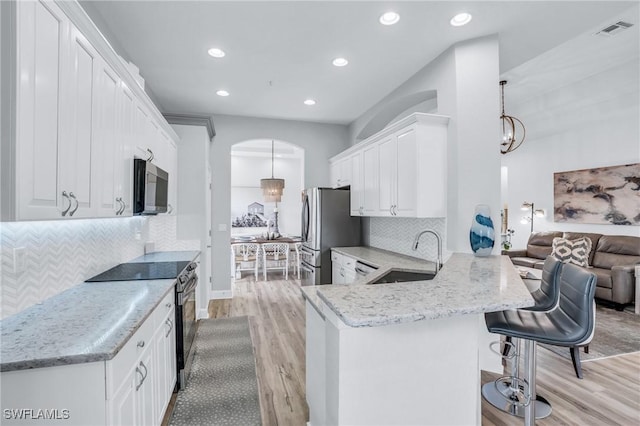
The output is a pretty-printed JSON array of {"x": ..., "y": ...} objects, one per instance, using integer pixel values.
[{"x": 609, "y": 394}]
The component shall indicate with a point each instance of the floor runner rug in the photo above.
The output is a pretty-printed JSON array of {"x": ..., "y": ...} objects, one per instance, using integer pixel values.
[{"x": 222, "y": 389}]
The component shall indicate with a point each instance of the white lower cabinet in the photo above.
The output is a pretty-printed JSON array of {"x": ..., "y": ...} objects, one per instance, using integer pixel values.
[
  {"x": 343, "y": 268},
  {"x": 133, "y": 388}
]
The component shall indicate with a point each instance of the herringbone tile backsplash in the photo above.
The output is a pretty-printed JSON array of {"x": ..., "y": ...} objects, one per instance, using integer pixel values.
[
  {"x": 61, "y": 254},
  {"x": 398, "y": 233}
]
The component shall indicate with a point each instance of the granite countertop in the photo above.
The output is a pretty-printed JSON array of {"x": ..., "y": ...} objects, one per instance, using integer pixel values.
[
  {"x": 86, "y": 323},
  {"x": 466, "y": 284}
]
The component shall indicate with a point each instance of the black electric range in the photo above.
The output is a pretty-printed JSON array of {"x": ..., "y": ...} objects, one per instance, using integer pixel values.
[{"x": 142, "y": 271}]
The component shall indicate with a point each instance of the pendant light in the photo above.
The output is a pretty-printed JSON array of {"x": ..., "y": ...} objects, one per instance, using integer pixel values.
[
  {"x": 511, "y": 127},
  {"x": 272, "y": 187}
]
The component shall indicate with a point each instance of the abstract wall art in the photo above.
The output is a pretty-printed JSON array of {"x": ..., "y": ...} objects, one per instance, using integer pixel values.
[{"x": 605, "y": 195}]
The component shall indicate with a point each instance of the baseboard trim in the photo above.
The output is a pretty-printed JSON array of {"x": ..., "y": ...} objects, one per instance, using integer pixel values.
[{"x": 222, "y": 294}]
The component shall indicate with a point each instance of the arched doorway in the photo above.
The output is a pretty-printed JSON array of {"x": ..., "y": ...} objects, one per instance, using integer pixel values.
[{"x": 251, "y": 161}]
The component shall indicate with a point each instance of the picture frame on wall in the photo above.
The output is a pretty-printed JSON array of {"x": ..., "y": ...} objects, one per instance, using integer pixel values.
[{"x": 605, "y": 195}]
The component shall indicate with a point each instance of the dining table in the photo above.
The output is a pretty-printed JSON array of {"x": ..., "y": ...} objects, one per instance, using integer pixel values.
[{"x": 262, "y": 240}]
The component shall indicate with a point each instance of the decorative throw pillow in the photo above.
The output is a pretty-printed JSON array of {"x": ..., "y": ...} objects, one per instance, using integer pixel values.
[{"x": 568, "y": 251}]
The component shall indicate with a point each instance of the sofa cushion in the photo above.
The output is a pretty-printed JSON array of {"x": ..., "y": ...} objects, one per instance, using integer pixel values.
[
  {"x": 616, "y": 250},
  {"x": 595, "y": 238},
  {"x": 539, "y": 244},
  {"x": 576, "y": 251},
  {"x": 604, "y": 277}
]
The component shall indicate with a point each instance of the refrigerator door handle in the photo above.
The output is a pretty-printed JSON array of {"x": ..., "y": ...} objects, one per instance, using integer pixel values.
[{"x": 305, "y": 218}]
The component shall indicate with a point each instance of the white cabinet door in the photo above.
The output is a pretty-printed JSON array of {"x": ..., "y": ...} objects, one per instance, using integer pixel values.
[
  {"x": 42, "y": 31},
  {"x": 171, "y": 166},
  {"x": 357, "y": 188},
  {"x": 123, "y": 408},
  {"x": 109, "y": 140},
  {"x": 124, "y": 162},
  {"x": 370, "y": 180},
  {"x": 405, "y": 186},
  {"x": 166, "y": 364},
  {"x": 145, "y": 397},
  {"x": 387, "y": 170},
  {"x": 78, "y": 112}
]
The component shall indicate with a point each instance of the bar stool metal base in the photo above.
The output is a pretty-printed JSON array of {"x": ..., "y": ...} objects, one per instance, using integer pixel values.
[{"x": 495, "y": 392}]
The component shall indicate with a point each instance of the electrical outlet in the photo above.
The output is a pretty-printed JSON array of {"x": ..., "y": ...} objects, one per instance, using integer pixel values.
[{"x": 19, "y": 263}]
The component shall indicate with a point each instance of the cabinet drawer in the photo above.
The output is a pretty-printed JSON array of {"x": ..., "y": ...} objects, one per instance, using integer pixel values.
[
  {"x": 125, "y": 360},
  {"x": 164, "y": 307},
  {"x": 335, "y": 257}
]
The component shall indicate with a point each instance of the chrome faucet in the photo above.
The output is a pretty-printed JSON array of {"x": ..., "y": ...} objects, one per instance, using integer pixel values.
[{"x": 439, "y": 241}]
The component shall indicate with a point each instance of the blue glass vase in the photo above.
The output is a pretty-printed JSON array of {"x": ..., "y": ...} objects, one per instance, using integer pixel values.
[{"x": 482, "y": 234}]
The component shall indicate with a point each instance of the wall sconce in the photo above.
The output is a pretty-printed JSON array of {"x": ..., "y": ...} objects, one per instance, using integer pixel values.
[{"x": 526, "y": 206}]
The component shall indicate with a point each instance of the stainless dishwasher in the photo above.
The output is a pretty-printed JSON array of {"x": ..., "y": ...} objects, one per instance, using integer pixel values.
[{"x": 363, "y": 269}]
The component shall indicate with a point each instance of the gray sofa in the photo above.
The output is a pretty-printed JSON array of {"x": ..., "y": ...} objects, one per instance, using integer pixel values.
[{"x": 612, "y": 259}]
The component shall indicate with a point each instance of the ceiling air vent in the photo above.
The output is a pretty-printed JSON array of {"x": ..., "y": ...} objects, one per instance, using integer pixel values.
[{"x": 614, "y": 28}]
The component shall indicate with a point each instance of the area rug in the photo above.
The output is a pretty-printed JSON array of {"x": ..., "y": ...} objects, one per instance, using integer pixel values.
[
  {"x": 222, "y": 389},
  {"x": 616, "y": 333}
]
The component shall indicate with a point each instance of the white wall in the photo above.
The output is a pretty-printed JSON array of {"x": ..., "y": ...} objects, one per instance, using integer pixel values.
[
  {"x": 319, "y": 141},
  {"x": 465, "y": 77},
  {"x": 585, "y": 115},
  {"x": 246, "y": 172}
]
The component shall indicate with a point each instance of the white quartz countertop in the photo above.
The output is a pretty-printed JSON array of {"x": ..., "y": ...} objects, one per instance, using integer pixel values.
[
  {"x": 86, "y": 323},
  {"x": 466, "y": 284}
]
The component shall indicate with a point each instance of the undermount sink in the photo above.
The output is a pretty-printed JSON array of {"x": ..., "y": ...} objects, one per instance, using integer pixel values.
[{"x": 396, "y": 276}]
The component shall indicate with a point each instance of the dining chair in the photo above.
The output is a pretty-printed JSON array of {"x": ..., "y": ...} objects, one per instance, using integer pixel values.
[
  {"x": 295, "y": 262},
  {"x": 246, "y": 257},
  {"x": 275, "y": 256}
]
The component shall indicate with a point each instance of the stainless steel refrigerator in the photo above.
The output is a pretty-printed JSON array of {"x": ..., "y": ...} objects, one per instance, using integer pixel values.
[{"x": 326, "y": 223}]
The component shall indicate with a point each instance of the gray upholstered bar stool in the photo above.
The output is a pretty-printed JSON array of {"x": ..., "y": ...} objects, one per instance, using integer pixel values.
[
  {"x": 506, "y": 392},
  {"x": 569, "y": 324}
]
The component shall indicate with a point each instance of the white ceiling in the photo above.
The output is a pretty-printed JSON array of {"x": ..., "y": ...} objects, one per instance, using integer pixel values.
[{"x": 279, "y": 53}]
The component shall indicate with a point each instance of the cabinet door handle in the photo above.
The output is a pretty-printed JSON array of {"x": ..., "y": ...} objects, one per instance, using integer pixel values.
[
  {"x": 169, "y": 209},
  {"x": 64, "y": 212},
  {"x": 169, "y": 305},
  {"x": 170, "y": 324},
  {"x": 141, "y": 344},
  {"x": 151, "y": 155},
  {"x": 145, "y": 371},
  {"x": 138, "y": 371},
  {"x": 119, "y": 201},
  {"x": 124, "y": 205},
  {"x": 77, "y": 204}
]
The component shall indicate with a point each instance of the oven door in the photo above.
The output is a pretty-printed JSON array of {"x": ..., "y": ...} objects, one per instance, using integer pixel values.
[{"x": 185, "y": 329}]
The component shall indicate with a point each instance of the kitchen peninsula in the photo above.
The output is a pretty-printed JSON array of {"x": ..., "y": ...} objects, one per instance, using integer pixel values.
[{"x": 406, "y": 353}]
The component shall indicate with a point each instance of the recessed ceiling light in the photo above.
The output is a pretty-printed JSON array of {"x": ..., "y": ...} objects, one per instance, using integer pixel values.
[
  {"x": 389, "y": 18},
  {"x": 222, "y": 93},
  {"x": 460, "y": 19},
  {"x": 309, "y": 102},
  {"x": 340, "y": 62},
  {"x": 216, "y": 53}
]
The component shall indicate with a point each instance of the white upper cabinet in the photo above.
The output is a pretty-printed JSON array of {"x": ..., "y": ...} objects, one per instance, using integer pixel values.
[
  {"x": 77, "y": 120},
  {"x": 403, "y": 169},
  {"x": 357, "y": 188},
  {"x": 340, "y": 171},
  {"x": 43, "y": 32}
]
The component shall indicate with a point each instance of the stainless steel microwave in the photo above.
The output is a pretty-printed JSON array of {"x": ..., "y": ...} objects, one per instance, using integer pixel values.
[{"x": 150, "y": 188}]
